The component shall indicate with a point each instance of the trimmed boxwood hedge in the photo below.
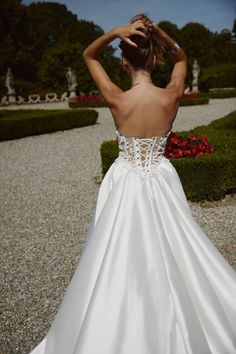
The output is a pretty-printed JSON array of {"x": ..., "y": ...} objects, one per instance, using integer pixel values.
[
  {"x": 194, "y": 102},
  {"x": 219, "y": 94},
  {"x": 21, "y": 123},
  {"x": 211, "y": 176},
  {"x": 76, "y": 104}
]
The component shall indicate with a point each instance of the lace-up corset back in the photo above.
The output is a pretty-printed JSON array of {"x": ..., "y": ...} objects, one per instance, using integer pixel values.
[{"x": 143, "y": 154}]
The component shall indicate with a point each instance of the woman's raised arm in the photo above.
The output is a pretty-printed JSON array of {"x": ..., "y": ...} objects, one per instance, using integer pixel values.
[
  {"x": 108, "y": 89},
  {"x": 177, "y": 81}
]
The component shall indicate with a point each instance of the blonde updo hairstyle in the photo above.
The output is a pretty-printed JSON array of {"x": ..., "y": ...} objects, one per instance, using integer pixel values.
[{"x": 150, "y": 50}]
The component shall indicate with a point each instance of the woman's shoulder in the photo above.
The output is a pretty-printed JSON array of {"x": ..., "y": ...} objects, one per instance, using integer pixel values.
[
  {"x": 152, "y": 102},
  {"x": 150, "y": 93}
]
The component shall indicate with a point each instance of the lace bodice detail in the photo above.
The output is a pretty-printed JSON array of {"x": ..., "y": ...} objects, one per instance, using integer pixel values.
[{"x": 143, "y": 154}]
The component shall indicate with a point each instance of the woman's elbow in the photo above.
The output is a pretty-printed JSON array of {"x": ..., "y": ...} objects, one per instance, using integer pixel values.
[{"x": 85, "y": 54}]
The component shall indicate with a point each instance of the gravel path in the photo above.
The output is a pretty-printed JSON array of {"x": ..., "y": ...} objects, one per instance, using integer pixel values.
[{"x": 48, "y": 190}]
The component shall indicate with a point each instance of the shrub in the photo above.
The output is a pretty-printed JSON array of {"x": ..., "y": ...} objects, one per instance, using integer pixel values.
[
  {"x": 194, "y": 101},
  {"x": 221, "y": 75},
  {"x": 220, "y": 94},
  {"x": 80, "y": 104},
  {"x": 87, "y": 101},
  {"x": 20, "y": 123},
  {"x": 91, "y": 98},
  {"x": 209, "y": 177}
]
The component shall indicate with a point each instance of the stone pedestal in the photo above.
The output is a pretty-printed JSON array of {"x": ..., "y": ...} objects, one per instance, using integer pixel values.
[
  {"x": 11, "y": 98},
  {"x": 195, "y": 88},
  {"x": 72, "y": 94}
]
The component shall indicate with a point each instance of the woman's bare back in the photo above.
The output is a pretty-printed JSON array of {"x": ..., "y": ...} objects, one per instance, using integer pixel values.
[{"x": 145, "y": 110}]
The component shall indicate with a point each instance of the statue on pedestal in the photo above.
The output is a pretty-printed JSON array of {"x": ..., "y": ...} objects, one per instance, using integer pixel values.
[
  {"x": 9, "y": 83},
  {"x": 195, "y": 72},
  {"x": 72, "y": 82}
]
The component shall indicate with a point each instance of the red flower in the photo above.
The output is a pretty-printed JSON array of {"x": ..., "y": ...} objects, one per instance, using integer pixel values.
[
  {"x": 204, "y": 139},
  {"x": 174, "y": 139},
  {"x": 192, "y": 138},
  {"x": 191, "y": 146},
  {"x": 191, "y": 95},
  {"x": 88, "y": 98}
]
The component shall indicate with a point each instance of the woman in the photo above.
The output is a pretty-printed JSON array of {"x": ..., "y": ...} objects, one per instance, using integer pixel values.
[{"x": 149, "y": 281}]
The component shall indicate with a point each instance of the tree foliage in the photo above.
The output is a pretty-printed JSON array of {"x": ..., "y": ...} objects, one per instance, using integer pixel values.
[
  {"x": 48, "y": 22},
  {"x": 220, "y": 75},
  {"x": 41, "y": 40}
]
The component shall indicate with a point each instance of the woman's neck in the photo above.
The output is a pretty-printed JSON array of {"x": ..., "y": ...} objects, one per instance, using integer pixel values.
[{"x": 140, "y": 77}]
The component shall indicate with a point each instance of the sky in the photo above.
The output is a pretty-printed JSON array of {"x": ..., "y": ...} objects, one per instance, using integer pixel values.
[{"x": 216, "y": 15}]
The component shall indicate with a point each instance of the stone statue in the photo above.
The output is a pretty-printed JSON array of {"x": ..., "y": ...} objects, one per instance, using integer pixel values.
[
  {"x": 195, "y": 72},
  {"x": 71, "y": 79},
  {"x": 9, "y": 83}
]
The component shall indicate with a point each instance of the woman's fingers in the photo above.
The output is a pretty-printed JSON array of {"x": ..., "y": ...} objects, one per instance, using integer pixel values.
[
  {"x": 138, "y": 24},
  {"x": 131, "y": 43},
  {"x": 140, "y": 33},
  {"x": 136, "y": 28}
]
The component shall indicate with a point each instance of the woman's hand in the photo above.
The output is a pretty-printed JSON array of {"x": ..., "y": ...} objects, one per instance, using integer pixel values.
[
  {"x": 155, "y": 26},
  {"x": 124, "y": 32}
]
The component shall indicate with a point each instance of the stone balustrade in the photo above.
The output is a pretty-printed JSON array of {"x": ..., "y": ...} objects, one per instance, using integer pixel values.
[{"x": 36, "y": 98}]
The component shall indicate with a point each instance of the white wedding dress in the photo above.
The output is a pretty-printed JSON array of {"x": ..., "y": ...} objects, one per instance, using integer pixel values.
[{"x": 149, "y": 280}]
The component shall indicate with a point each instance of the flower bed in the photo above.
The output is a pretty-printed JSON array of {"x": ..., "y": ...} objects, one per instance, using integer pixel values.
[
  {"x": 193, "y": 99},
  {"x": 92, "y": 98},
  {"x": 207, "y": 172},
  {"x": 87, "y": 101},
  {"x": 191, "y": 146},
  {"x": 191, "y": 96}
]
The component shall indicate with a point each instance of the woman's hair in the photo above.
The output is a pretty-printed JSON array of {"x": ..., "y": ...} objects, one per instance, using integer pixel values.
[{"x": 150, "y": 50}]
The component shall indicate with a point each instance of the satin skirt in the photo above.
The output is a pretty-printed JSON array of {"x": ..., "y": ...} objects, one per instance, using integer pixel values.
[{"x": 149, "y": 281}]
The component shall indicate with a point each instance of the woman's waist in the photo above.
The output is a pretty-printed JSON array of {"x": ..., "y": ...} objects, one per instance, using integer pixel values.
[{"x": 144, "y": 165}]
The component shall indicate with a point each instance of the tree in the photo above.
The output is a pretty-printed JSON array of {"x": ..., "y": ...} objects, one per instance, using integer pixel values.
[
  {"x": 54, "y": 65},
  {"x": 13, "y": 20},
  {"x": 41, "y": 40},
  {"x": 234, "y": 29},
  {"x": 82, "y": 31},
  {"x": 14, "y": 23},
  {"x": 223, "y": 48},
  {"x": 197, "y": 42},
  {"x": 171, "y": 29},
  {"x": 220, "y": 75},
  {"x": 48, "y": 22},
  {"x": 57, "y": 59}
]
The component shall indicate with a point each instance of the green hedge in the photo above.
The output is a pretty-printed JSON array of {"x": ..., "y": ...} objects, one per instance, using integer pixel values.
[
  {"x": 21, "y": 123},
  {"x": 74, "y": 104},
  {"x": 211, "y": 176},
  {"x": 193, "y": 102},
  {"x": 219, "y": 94},
  {"x": 219, "y": 75}
]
